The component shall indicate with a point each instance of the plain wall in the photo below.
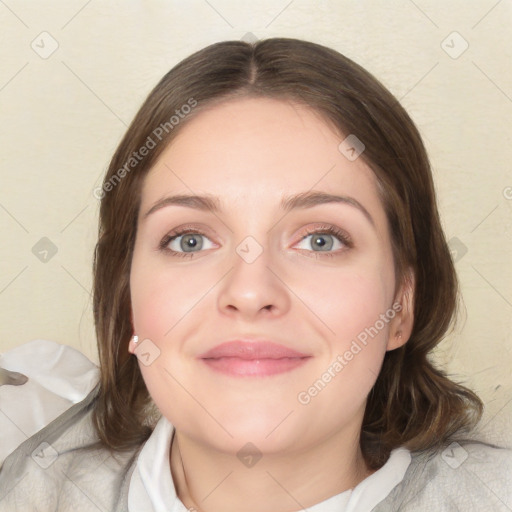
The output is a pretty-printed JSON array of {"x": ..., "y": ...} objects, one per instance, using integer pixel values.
[{"x": 63, "y": 115}]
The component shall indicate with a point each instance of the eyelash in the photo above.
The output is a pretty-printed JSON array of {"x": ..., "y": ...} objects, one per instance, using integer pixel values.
[{"x": 342, "y": 236}]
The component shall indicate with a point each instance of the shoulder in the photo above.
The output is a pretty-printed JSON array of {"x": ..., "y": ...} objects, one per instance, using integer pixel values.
[
  {"x": 469, "y": 475},
  {"x": 63, "y": 467}
]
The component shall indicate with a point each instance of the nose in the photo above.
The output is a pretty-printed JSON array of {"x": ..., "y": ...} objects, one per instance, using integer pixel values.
[{"x": 254, "y": 286}]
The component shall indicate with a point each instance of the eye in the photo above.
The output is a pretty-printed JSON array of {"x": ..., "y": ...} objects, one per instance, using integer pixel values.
[
  {"x": 325, "y": 238},
  {"x": 184, "y": 242}
]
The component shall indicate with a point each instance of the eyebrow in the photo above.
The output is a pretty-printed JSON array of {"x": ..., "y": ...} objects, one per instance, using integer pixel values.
[{"x": 300, "y": 201}]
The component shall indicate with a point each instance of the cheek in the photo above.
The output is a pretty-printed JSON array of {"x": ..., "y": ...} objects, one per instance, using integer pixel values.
[
  {"x": 355, "y": 311},
  {"x": 352, "y": 306},
  {"x": 347, "y": 301},
  {"x": 161, "y": 297}
]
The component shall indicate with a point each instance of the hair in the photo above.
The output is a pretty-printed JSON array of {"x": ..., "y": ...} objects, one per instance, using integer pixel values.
[{"x": 413, "y": 403}]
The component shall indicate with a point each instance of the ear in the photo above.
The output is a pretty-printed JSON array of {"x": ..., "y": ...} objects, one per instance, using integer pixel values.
[{"x": 402, "y": 324}]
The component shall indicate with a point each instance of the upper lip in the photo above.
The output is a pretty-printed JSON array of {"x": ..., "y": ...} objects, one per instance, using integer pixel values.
[{"x": 250, "y": 349}]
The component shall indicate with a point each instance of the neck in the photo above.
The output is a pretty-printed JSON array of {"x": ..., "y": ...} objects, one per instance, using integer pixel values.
[{"x": 211, "y": 481}]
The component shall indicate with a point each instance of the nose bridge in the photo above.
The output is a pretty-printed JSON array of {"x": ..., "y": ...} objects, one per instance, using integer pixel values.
[
  {"x": 252, "y": 249},
  {"x": 252, "y": 284},
  {"x": 252, "y": 231},
  {"x": 256, "y": 242},
  {"x": 252, "y": 259}
]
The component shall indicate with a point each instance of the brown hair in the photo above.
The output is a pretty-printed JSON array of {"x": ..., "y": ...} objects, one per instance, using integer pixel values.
[{"x": 412, "y": 404}]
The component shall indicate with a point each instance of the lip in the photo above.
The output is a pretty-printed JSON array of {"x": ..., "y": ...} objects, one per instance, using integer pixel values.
[{"x": 253, "y": 358}]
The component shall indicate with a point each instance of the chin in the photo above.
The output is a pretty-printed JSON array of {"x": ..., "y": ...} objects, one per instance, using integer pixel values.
[{"x": 264, "y": 426}]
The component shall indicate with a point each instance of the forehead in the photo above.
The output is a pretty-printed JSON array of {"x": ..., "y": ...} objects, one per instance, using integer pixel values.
[{"x": 254, "y": 150}]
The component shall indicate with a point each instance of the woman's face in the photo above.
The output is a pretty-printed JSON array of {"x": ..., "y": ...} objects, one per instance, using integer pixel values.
[{"x": 250, "y": 270}]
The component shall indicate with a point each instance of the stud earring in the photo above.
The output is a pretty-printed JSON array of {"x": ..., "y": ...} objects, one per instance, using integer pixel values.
[{"x": 135, "y": 339}]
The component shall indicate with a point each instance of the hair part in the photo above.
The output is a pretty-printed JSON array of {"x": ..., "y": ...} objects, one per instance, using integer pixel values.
[{"x": 412, "y": 403}]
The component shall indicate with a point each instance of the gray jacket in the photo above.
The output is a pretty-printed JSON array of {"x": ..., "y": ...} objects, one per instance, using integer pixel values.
[{"x": 56, "y": 470}]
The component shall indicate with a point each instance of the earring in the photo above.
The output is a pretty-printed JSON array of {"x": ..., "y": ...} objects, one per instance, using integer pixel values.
[
  {"x": 398, "y": 334},
  {"x": 135, "y": 339}
]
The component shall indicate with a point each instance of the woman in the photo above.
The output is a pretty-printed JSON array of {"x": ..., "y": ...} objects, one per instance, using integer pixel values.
[{"x": 270, "y": 278}]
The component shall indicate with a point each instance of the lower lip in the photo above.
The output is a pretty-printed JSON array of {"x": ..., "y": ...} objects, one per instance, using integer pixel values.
[{"x": 238, "y": 367}]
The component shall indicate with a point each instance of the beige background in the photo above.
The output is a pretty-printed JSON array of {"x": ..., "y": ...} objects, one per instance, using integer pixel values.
[{"x": 64, "y": 112}]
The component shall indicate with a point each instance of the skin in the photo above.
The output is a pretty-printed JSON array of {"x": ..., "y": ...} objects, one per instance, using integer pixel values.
[{"x": 251, "y": 152}]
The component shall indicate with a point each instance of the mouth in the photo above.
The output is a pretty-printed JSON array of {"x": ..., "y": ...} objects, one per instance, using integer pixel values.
[{"x": 253, "y": 359}]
